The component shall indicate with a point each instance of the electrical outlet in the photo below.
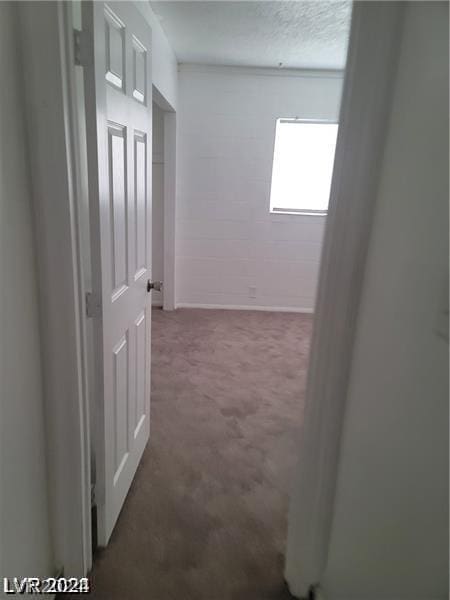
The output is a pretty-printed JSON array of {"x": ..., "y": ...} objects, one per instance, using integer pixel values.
[{"x": 251, "y": 292}]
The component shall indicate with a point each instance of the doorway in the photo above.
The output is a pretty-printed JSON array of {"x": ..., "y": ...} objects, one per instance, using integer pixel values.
[
  {"x": 213, "y": 484},
  {"x": 158, "y": 203},
  {"x": 164, "y": 174},
  {"x": 164, "y": 299}
]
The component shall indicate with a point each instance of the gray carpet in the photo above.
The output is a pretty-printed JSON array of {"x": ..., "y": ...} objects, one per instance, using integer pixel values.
[{"x": 205, "y": 518}]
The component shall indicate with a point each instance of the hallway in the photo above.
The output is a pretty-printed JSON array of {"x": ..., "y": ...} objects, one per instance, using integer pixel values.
[{"x": 205, "y": 518}]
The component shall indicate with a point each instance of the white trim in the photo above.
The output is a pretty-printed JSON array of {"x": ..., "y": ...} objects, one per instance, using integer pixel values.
[
  {"x": 170, "y": 175},
  {"x": 374, "y": 47},
  {"x": 169, "y": 203},
  {"x": 292, "y": 309},
  {"x": 261, "y": 71},
  {"x": 302, "y": 121},
  {"x": 47, "y": 46},
  {"x": 66, "y": 28},
  {"x": 161, "y": 100},
  {"x": 298, "y": 213}
]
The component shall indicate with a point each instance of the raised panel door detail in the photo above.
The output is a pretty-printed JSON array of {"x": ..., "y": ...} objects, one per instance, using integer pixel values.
[
  {"x": 118, "y": 99},
  {"x": 118, "y": 208},
  {"x": 120, "y": 409},
  {"x": 139, "y": 71},
  {"x": 140, "y": 199},
  {"x": 115, "y": 49},
  {"x": 140, "y": 362}
]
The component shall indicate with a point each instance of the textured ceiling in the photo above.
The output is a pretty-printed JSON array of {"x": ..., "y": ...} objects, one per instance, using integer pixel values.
[{"x": 303, "y": 34}]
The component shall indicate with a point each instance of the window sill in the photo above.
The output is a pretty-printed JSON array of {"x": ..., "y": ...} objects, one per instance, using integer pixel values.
[{"x": 301, "y": 213}]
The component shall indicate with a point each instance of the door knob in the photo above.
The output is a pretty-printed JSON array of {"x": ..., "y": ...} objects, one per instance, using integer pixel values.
[{"x": 154, "y": 285}]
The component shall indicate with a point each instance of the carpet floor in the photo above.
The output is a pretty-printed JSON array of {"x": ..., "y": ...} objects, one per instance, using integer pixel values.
[{"x": 205, "y": 518}]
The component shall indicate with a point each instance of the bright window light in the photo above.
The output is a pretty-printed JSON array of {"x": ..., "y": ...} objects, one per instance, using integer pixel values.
[{"x": 302, "y": 166}]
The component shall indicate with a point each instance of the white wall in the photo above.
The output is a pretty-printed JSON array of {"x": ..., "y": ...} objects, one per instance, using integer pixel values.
[
  {"x": 25, "y": 547},
  {"x": 158, "y": 202},
  {"x": 390, "y": 530},
  {"x": 227, "y": 242},
  {"x": 164, "y": 61}
]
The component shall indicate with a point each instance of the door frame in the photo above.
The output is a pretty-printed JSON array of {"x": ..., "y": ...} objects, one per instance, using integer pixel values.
[
  {"x": 169, "y": 198},
  {"x": 366, "y": 100},
  {"x": 46, "y": 32},
  {"x": 47, "y": 39}
]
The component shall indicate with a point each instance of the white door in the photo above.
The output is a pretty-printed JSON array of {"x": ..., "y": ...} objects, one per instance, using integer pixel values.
[{"x": 118, "y": 118}]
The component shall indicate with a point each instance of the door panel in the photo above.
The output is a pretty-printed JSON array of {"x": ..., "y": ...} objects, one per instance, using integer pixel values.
[
  {"x": 121, "y": 374},
  {"x": 118, "y": 114},
  {"x": 139, "y": 71},
  {"x": 140, "y": 195},
  {"x": 115, "y": 48},
  {"x": 140, "y": 362},
  {"x": 118, "y": 199}
]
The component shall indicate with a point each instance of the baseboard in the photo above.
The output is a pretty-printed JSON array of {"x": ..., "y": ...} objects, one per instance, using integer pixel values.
[{"x": 291, "y": 309}]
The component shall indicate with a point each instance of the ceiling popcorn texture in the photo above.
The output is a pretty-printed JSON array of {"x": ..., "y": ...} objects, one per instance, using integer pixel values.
[{"x": 299, "y": 35}]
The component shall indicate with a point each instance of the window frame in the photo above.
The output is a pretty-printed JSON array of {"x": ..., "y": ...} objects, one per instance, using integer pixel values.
[{"x": 299, "y": 211}]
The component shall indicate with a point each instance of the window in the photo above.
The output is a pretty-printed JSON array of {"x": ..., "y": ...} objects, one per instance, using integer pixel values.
[{"x": 302, "y": 166}]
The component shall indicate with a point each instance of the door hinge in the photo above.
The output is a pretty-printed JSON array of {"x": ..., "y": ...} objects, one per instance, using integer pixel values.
[
  {"x": 93, "y": 305},
  {"x": 82, "y": 53}
]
